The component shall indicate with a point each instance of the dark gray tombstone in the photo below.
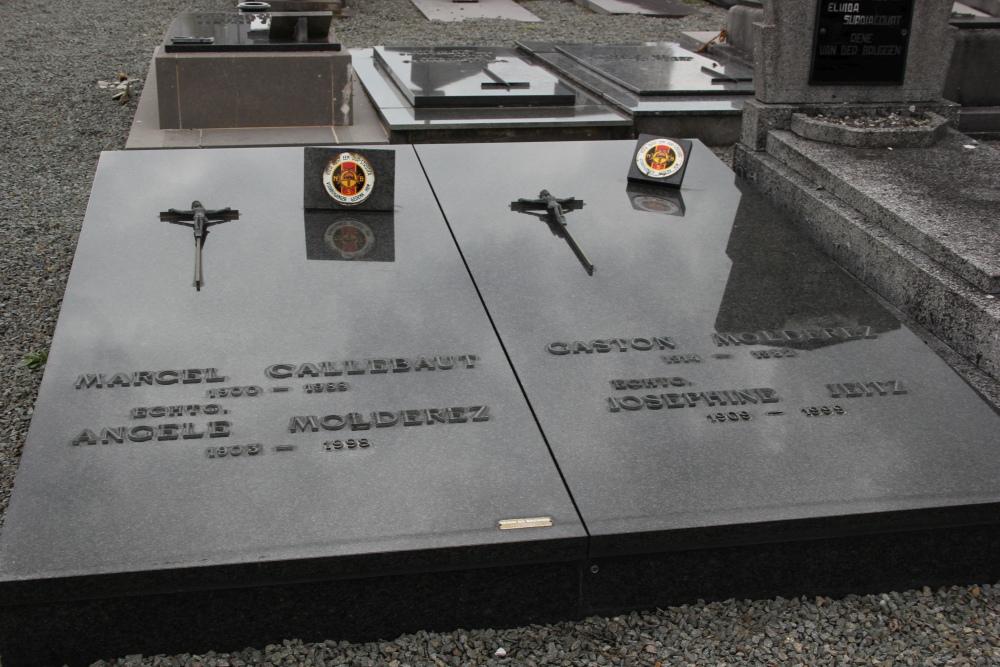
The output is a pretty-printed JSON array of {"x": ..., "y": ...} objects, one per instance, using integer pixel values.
[
  {"x": 666, "y": 90},
  {"x": 661, "y": 69},
  {"x": 217, "y": 32},
  {"x": 478, "y": 93},
  {"x": 343, "y": 437},
  {"x": 716, "y": 384},
  {"x": 470, "y": 76},
  {"x": 280, "y": 70},
  {"x": 661, "y": 8}
]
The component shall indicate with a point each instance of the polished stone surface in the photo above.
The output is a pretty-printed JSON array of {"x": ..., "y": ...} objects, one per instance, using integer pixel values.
[
  {"x": 785, "y": 43},
  {"x": 450, "y": 10},
  {"x": 401, "y": 116},
  {"x": 861, "y": 43},
  {"x": 215, "y": 32},
  {"x": 660, "y": 69},
  {"x": 828, "y": 453},
  {"x": 661, "y": 8},
  {"x": 183, "y": 511},
  {"x": 237, "y": 90},
  {"x": 146, "y": 133},
  {"x": 470, "y": 76}
]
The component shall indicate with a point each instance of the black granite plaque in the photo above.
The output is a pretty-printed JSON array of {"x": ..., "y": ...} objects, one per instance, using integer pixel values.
[
  {"x": 330, "y": 433},
  {"x": 218, "y": 32},
  {"x": 862, "y": 42},
  {"x": 717, "y": 380},
  {"x": 659, "y": 161},
  {"x": 660, "y": 69},
  {"x": 471, "y": 76},
  {"x": 349, "y": 179}
]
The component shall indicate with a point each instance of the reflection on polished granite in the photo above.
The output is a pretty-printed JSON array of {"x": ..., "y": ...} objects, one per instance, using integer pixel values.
[
  {"x": 400, "y": 116},
  {"x": 639, "y": 90},
  {"x": 470, "y": 76},
  {"x": 630, "y": 370}
]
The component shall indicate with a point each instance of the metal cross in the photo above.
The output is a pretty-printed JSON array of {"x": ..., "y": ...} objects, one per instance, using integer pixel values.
[
  {"x": 199, "y": 219},
  {"x": 554, "y": 215}
]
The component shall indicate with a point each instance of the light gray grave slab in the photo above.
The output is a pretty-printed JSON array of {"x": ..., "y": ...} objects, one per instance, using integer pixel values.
[
  {"x": 659, "y": 8},
  {"x": 459, "y": 10}
]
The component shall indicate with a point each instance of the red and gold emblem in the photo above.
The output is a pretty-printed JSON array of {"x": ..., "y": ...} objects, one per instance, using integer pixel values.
[
  {"x": 350, "y": 239},
  {"x": 660, "y": 158},
  {"x": 349, "y": 179}
]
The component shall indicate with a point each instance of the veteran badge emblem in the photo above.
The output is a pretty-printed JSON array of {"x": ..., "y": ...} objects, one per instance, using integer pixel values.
[
  {"x": 349, "y": 179},
  {"x": 660, "y": 158},
  {"x": 350, "y": 239}
]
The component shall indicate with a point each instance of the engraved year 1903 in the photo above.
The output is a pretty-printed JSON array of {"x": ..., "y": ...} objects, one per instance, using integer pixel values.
[{"x": 233, "y": 451}]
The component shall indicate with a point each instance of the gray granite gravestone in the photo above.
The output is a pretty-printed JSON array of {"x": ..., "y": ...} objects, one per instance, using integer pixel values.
[
  {"x": 470, "y": 76},
  {"x": 214, "y": 70},
  {"x": 477, "y": 92},
  {"x": 301, "y": 429},
  {"x": 452, "y": 10},
  {"x": 660, "y": 8},
  {"x": 849, "y": 131},
  {"x": 665, "y": 89}
]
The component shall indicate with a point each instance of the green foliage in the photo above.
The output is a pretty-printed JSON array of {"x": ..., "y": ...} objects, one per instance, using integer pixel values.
[{"x": 35, "y": 360}]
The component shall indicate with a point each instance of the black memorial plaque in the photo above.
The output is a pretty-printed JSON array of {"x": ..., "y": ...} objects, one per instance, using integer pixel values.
[
  {"x": 717, "y": 380},
  {"x": 218, "y": 32},
  {"x": 471, "y": 76},
  {"x": 660, "y": 69},
  {"x": 862, "y": 42},
  {"x": 351, "y": 425}
]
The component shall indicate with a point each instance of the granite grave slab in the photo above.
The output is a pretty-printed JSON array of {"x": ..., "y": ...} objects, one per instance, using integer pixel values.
[
  {"x": 224, "y": 74},
  {"x": 675, "y": 100},
  {"x": 309, "y": 430},
  {"x": 470, "y": 76},
  {"x": 661, "y": 69},
  {"x": 715, "y": 382},
  {"x": 459, "y": 10},
  {"x": 560, "y": 110},
  {"x": 659, "y": 8},
  {"x": 219, "y": 32}
]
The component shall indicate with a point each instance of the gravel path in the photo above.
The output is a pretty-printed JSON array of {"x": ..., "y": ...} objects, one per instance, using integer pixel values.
[{"x": 54, "y": 121}]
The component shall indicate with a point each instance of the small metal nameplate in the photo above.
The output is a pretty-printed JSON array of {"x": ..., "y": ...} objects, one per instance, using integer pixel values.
[{"x": 535, "y": 522}]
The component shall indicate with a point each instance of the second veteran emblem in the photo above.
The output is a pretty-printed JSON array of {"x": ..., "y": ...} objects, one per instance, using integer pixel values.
[
  {"x": 659, "y": 158},
  {"x": 349, "y": 179},
  {"x": 350, "y": 239}
]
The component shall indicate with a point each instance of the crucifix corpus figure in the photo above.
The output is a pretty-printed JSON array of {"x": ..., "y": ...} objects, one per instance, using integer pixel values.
[
  {"x": 554, "y": 214},
  {"x": 199, "y": 219}
]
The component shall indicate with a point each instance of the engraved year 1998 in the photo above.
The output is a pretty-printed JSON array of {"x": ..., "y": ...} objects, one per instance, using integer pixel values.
[
  {"x": 823, "y": 411},
  {"x": 340, "y": 445}
]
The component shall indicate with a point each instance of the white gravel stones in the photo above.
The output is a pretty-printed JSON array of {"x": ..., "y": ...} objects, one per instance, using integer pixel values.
[{"x": 54, "y": 121}]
